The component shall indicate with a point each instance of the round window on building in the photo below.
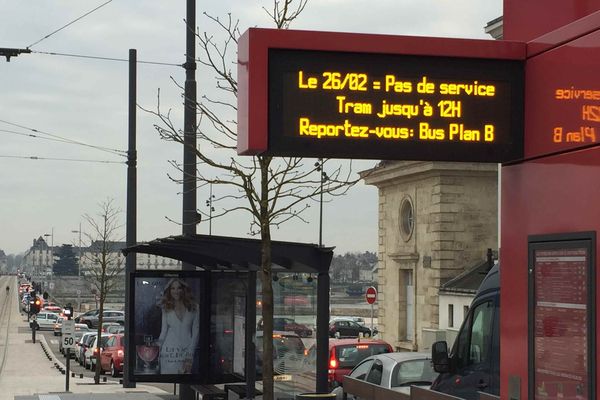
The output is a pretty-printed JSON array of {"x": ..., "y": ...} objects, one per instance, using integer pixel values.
[{"x": 407, "y": 218}]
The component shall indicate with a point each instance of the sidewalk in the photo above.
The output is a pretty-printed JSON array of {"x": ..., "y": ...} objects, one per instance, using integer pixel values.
[{"x": 28, "y": 374}]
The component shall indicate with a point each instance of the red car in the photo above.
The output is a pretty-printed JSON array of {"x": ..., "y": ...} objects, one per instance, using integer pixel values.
[
  {"x": 287, "y": 325},
  {"x": 111, "y": 357},
  {"x": 345, "y": 354}
]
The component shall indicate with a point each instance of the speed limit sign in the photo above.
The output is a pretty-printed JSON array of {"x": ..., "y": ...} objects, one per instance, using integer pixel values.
[
  {"x": 68, "y": 342},
  {"x": 68, "y": 326}
]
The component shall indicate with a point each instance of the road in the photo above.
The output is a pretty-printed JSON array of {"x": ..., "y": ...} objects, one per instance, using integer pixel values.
[
  {"x": 78, "y": 370},
  {"x": 7, "y": 312}
]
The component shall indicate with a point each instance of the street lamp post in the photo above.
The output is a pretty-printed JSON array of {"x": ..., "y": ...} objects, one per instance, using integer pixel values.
[
  {"x": 51, "y": 255},
  {"x": 51, "y": 235},
  {"x": 319, "y": 164},
  {"x": 209, "y": 204},
  {"x": 78, "y": 251}
]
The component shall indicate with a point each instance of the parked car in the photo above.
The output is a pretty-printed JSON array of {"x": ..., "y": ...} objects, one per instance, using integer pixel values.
[
  {"x": 58, "y": 326},
  {"x": 347, "y": 328},
  {"x": 115, "y": 329},
  {"x": 106, "y": 325},
  {"x": 358, "y": 320},
  {"x": 355, "y": 290},
  {"x": 91, "y": 319},
  {"x": 111, "y": 357},
  {"x": 288, "y": 352},
  {"x": 297, "y": 300},
  {"x": 79, "y": 331},
  {"x": 287, "y": 325},
  {"x": 53, "y": 308},
  {"x": 89, "y": 361},
  {"x": 344, "y": 355},
  {"x": 46, "y": 320},
  {"x": 397, "y": 371},
  {"x": 82, "y": 345}
]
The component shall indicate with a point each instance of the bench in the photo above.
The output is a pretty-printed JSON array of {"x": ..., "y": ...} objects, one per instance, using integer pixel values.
[
  {"x": 240, "y": 390},
  {"x": 209, "y": 392}
]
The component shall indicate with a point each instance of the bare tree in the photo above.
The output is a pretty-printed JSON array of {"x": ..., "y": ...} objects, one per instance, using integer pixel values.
[
  {"x": 105, "y": 259},
  {"x": 271, "y": 190}
]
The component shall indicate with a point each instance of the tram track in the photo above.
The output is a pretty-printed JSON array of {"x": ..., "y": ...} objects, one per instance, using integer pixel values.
[{"x": 7, "y": 305}]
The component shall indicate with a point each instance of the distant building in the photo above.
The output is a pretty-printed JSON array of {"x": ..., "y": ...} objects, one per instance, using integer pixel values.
[
  {"x": 144, "y": 261},
  {"x": 3, "y": 262},
  {"x": 38, "y": 259},
  {"x": 456, "y": 296},
  {"x": 436, "y": 219}
]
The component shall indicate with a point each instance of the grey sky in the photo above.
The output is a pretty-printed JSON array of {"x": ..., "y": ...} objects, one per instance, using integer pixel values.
[{"x": 86, "y": 100}]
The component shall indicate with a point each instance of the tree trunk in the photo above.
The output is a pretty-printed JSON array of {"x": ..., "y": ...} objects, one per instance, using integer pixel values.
[{"x": 267, "y": 288}]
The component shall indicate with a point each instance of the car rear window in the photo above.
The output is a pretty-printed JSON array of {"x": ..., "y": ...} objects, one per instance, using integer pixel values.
[
  {"x": 413, "y": 372},
  {"x": 349, "y": 356}
]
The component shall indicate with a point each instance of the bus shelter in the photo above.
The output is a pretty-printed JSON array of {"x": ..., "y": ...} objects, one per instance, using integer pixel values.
[{"x": 231, "y": 269}]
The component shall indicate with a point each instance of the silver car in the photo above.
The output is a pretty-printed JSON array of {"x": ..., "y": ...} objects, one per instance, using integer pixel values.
[
  {"x": 396, "y": 371},
  {"x": 82, "y": 345}
]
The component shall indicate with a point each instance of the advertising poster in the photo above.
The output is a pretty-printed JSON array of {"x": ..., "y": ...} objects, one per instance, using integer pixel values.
[{"x": 166, "y": 326}]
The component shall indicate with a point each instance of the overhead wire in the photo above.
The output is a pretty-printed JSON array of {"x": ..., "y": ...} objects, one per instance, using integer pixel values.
[
  {"x": 62, "y": 159},
  {"x": 118, "y": 152},
  {"x": 70, "y": 23},
  {"x": 51, "y": 53},
  {"x": 34, "y": 136}
]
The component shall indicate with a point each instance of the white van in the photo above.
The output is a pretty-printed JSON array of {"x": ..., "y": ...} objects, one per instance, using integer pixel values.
[{"x": 46, "y": 320}]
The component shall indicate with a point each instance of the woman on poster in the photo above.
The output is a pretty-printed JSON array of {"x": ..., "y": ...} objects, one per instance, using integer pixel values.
[{"x": 180, "y": 328}]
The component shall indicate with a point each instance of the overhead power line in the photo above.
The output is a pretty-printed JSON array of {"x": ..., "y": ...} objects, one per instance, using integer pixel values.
[
  {"x": 118, "y": 152},
  {"x": 51, "y": 53},
  {"x": 62, "y": 159},
  {"x": 70, "y": 23}
]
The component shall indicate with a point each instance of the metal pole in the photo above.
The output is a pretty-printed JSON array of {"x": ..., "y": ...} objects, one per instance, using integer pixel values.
[
  {"x": 79, "y": 266},
  {"x": 372, "y": 304},
  {"x": 322, "y": 331},
  {"x": 131, "y": 231},
  {"x": 321, "y": 206},
  {"x": 189, "y": 217},
  {"x": 210, "y": 201},
  {"x": 68, "y": 369}
]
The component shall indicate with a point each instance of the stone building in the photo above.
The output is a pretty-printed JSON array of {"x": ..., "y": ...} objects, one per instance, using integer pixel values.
[{"x": 435, "y": 220}]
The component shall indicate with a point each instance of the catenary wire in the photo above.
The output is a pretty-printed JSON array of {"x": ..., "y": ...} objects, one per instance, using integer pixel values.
[
  {"x": 62, "y": 159},
  {"x": 35, "y": 136},
  {"x": 101, "y": 148},
  {"x": 52, "y": 53},
  {"x": 70, "y": 23}
]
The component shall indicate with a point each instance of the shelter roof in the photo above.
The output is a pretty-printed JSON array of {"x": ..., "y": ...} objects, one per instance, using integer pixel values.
[{"x": 237, "y": 254}]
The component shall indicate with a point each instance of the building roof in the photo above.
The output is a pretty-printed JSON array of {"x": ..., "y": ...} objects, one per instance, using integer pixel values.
[
  {"x": 468, "y": 281},
  {"x": 237, "y": 254}
]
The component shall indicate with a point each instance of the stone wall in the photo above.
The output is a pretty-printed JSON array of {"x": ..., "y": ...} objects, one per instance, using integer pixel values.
[{"x": 454, "y": 222}]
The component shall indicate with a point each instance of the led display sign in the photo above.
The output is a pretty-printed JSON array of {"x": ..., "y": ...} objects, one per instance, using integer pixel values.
[
  {"x": 344, "y": 95},
  {"x": 383, "y": 106}
]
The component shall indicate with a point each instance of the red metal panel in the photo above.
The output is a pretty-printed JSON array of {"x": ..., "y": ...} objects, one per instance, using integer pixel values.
[
  {"x": 562, "y": 96},
  {"x": 253, "y": 65},
  {"x": 550, "y": 195},
  {"x": 526, "y": 20},
  {"x": 564, "y": 34}
]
